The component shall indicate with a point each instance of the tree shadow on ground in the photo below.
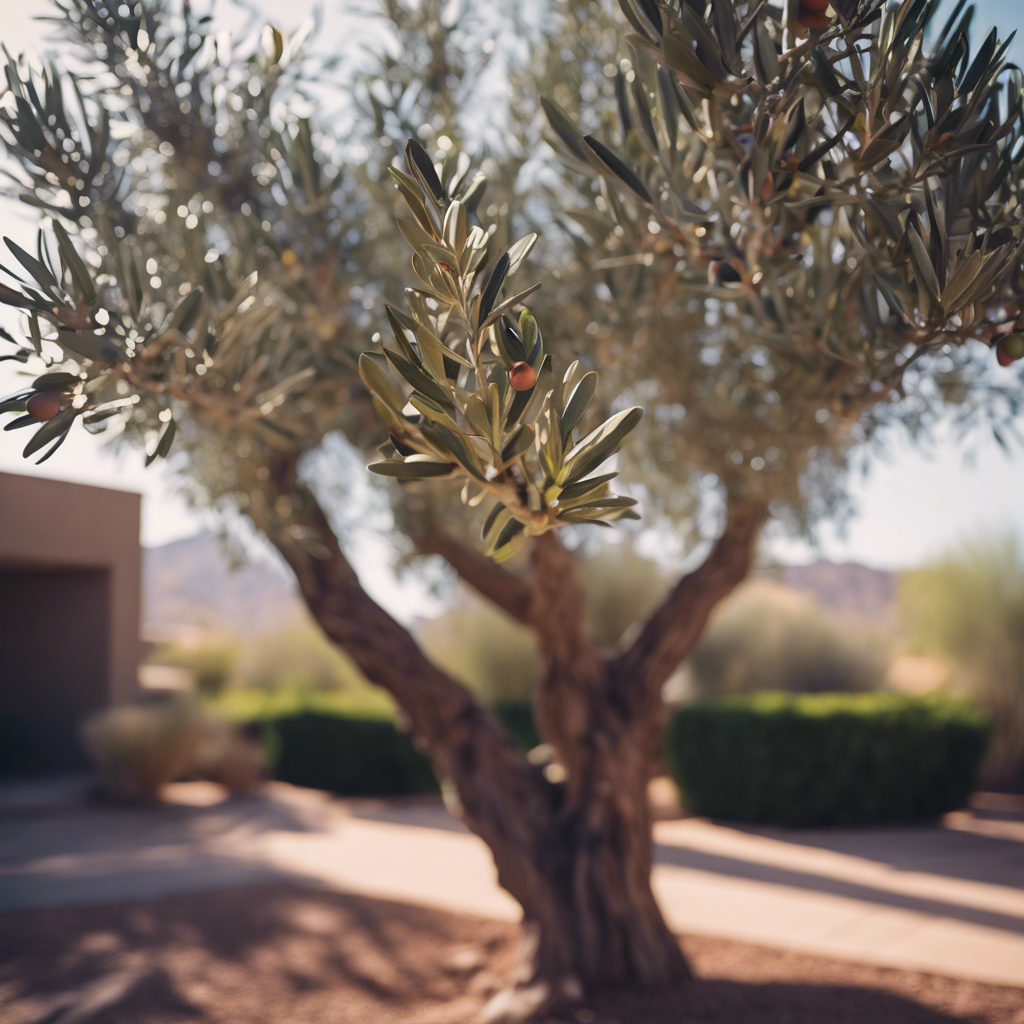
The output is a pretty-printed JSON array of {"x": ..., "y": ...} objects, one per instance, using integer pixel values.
[
  {"x": 773, "y": 1003},
  {"x": 268, "y": 953},
  {"x": 735, "y": 867},
  {"x": 963, "y": 851},
  {"x": 286, "y": 952},
  {"x": 929, "y": 849},
  {"x": 95, "y": 852}
]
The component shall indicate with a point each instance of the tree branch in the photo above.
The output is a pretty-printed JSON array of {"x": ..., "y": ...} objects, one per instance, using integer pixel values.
[
  {"x": 558, "y": 610},
  {"x": 463, "y": 739},
  {"x": 510, "y": 593},
  {"x": 673, "y": 630}
]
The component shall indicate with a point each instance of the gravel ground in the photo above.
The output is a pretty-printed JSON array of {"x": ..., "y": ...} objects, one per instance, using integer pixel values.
[{"x": 291, "y": 954}]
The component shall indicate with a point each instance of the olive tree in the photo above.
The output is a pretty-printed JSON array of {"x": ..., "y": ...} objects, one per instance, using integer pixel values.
[{"x": 816, "y": 214}]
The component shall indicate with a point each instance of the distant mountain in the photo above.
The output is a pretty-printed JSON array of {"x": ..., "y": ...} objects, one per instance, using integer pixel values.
[
  {"x": 845, "y": 588},
  {"x": 192, "y": 583}
]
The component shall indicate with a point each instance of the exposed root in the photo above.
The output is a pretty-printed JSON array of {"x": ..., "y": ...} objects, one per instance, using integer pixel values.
[{"x": 534, "y": 1003}]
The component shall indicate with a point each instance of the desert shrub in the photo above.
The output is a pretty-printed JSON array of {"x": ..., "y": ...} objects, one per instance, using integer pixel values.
[
  {"x": 768, "y": 637},
  {"x": 825, "y": 759},
  {"x": 348, "y": 755},
  {"x": 484, "y": 648},
  {"x": 228, "y": 755},
  {"x": 969, "y": 608},
  {"x": 138, "y": 749},
  {"x": 212, "y": 661},
  {"x": 497, "y": 658},
  {"x": 297, "y": 655}
]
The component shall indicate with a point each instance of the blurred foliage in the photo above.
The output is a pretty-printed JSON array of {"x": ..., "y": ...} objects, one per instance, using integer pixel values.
[
  {"x": 518, "y": 719},
  {"x": 296, "y": 659},
  {"x": 497, "y": 657},
  {"x": 242, "y": 704},
  {"x": 768, "y": 637},
  {"x": 484, "y": 648},
  {"x": 969, "y": 607},
  {"x": 299, "y": 657},
  {"x": 826, "y": 759},
  {"x": 212, "y": 661},
  {"x": 140, "y": 748}
]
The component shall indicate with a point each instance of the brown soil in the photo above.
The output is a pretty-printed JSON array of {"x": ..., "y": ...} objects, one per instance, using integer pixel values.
[{"x": 290, "y": 954}]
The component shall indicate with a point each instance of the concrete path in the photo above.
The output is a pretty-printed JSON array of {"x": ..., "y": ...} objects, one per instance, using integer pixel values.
[{"x": 946, "y": 900}]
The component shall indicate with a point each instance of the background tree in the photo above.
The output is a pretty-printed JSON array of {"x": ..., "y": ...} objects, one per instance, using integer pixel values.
[
  {"x": 968, "y": 607},
  {"x": 853, "y": 193}
]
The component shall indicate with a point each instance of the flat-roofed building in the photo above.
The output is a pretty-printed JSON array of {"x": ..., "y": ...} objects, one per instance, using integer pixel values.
[{"x": 70, "y": 590}]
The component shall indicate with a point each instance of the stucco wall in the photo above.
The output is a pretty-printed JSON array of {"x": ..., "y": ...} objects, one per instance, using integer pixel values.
[{"x": 70, "y": 589}]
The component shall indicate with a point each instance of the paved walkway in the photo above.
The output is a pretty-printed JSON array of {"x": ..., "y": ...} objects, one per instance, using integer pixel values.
[{"x": 946, "y": 900}]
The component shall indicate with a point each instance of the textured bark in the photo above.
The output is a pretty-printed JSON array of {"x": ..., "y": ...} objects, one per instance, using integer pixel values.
[
  {"x": 571, "y": 841},
  {"x": 575, "y": 852},
  {"x": 600, "y": 844},
  {"x": 504, "y": 799},
  {"x": 674, "y": 629},
  {"x": 510, "y": 593}
]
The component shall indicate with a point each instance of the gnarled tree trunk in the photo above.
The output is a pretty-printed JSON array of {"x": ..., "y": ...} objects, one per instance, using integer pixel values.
[{"x": 571, "y": 840}]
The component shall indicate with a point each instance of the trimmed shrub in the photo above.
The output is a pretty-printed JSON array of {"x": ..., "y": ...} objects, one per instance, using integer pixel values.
[
  {"x": 825, "y": 759},
  {"x": 350, "y": 756}
]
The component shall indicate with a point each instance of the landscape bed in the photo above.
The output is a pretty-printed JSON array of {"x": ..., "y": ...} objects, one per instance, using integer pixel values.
[{"x": 283, "y": 952}]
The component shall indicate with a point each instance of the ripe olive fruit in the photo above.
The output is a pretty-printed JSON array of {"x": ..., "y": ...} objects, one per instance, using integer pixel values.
[
  {"x": 1010, "y": 349},
  {"x": 43, "y": 406},
  {"x": 522, "y": 376}
]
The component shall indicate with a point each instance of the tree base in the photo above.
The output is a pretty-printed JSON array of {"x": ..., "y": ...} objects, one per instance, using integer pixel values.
[{"x": 535, "y": 1002}]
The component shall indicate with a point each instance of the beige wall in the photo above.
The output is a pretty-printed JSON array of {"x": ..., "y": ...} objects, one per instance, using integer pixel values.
[{"x": 70, "y": 590}]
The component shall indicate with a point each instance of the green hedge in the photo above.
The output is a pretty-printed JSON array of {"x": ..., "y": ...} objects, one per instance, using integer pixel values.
[
  {"x": 825, "y": 759},
  {"x": 348, "y": 755},
  {"x": 359, "y": 754}
]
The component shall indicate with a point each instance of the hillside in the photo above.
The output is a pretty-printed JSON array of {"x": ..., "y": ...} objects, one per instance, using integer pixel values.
[
  {"x": 846, "y": 588},
  {"x": 191, "y": 582}
]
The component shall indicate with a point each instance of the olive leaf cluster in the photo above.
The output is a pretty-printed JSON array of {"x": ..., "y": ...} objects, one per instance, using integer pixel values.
[
  {"x": 199, "y": 263},
  {"x": 469, "y": 392},
  {"x": 849, "y": 196}
]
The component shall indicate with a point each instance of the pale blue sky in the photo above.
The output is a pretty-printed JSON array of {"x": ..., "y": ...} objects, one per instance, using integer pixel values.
[{"x": 910, "y": 506}]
